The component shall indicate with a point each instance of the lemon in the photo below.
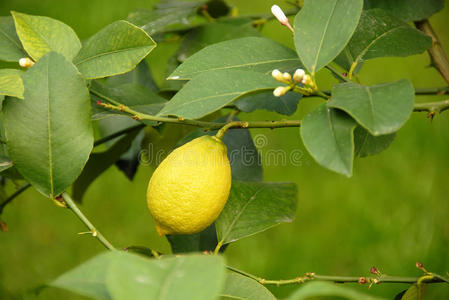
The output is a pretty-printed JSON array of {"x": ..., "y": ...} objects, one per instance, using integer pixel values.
[{"x": 189, "y": 189}]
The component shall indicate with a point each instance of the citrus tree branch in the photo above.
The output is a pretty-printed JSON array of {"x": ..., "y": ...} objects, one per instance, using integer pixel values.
[
  {"x": 437, "y": 54},
  {"x": 95, "y": 233},
  {"x": 426, "y": 278},
  {"x": 22, "y": 189},
  {"x": 114, "y": 105},
  {"x": 432, "y": 107}
]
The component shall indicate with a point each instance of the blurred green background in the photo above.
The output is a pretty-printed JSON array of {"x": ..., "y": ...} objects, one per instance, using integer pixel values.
[{"x": 393, "y": 212}]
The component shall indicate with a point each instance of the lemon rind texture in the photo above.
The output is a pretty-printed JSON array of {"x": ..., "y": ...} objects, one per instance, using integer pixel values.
[{"x": 189, "y": 189}]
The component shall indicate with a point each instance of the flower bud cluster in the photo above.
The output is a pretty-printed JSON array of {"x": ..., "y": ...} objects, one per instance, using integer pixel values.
[{"x": 299, "y": 77}]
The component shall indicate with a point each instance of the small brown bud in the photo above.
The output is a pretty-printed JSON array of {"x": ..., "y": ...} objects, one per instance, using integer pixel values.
[
  {"x": 3, "y": 226},
  {"x": 419, "y": 265},
  {"x": 362, "y": 280},
  {"x": 374, "y": 270}
]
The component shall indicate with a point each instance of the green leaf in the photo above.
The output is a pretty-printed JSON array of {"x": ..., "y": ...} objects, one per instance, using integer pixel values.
[
  {"x": 165, "y": 15},
  {"x": 40, "y": 35},
  {"x": 205, "y": 240},
  {"x": 242, "y": 153},
  {"x": 323, "y": 28},
  {"x": 381, "y": 109},
  {"x": 212, "y": 90},
  {"x": 366, "y": 144},
  {"x": 57, "y": 109},
  {"x": 10, "y": 47},
  {"x": 412, "y": 293},
  {"x": 100, "y": 162},
  {"x": 312, "y": 290},
  {"x": 253, "y": 207},
  {"x": 141, "y": 75},
  {"x": 213, "y": 33},
  {"x": 284, "y": 105},
  {"x": 328, "y": 136},
  {"x": 89, "y": 278},
  {"x": 11, "y": 83},
  {"x": 132, "y": 95},
  {"x": 407, "y": 10},
  {"x": 198, "y": 277},
  {"x": 250, "y": 54},
  {"x": 380, "y": 35},
  {"x": 121, "y": 275},
  {"x": 116, "y": 49},
  {"x": 241, "y": 287}
]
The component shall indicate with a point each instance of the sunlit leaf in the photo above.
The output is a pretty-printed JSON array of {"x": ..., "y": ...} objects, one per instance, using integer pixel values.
[{"x": 253, "y": 207}]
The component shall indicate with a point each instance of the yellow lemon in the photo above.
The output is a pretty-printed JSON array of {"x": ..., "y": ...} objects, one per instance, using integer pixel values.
[{"x": 189, "y": 189}]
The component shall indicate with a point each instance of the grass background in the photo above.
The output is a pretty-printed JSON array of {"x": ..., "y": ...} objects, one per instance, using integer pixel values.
[{"x": 391, "y": 213}]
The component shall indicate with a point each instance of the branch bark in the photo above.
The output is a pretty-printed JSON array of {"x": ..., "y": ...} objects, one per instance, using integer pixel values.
[{"x": 437, "y": 54}]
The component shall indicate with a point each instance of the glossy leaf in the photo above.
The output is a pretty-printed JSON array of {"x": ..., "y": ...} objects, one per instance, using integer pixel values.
[
  {"x": 323, "y": 28},
  {"x": 241, "y": 287},
  {"x": 328, "y": 137},
  {"x": 213, "y": 33},
  {"x": 253, "y": 207},
  {"x": 40, "y": 35},
  {"x": 198, "y": 277},
  {"x": 250, "y": 54},
  {"x": 57, "y": 108},
  {"x": 323, "y": 289},
  {"x": 116, "y": 49},
  {"x": 284, "y": 105},
  {"x": 245, "y": 160},
  {"x": 211, "y": 91},
  {"x": 381, "y": 109},
  {"x": 11, "y": 83},
  {"x": 380, "y": 35},
  {"x": 165, "y": 15},
  {"x": 407, "y": 10},
  {"x": 10, "y": 47},
  {"x": 100, "y": 162},
  {"x": 202, "y": 37},
  {"x": 366, "y": 144}
]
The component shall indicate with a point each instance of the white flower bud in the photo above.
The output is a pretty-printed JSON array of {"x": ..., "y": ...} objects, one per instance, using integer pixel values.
[
  {"x": 277, "y": 75},
  {"x": 280, "y": 91},
  {"x": 26, "y": 62},
  {"x": 307, "y": 79},
  {"x": 279, "y": 14},
  {"x": 299, "y": 75},
  {"x": 287, "y": 77}
]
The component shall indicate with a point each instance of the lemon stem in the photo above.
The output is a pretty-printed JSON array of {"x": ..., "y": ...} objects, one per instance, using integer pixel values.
[{"x": 220, "y": 134}]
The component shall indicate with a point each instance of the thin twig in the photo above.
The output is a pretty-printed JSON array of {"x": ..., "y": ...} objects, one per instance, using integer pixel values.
[
  {"x": 22, "y": 189},
  {"x": 117, "y": 134},
  {"x": 207, "y": 125},
  {"x": 427, "y": 278},
  {"x": 95, "y": 233}
]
